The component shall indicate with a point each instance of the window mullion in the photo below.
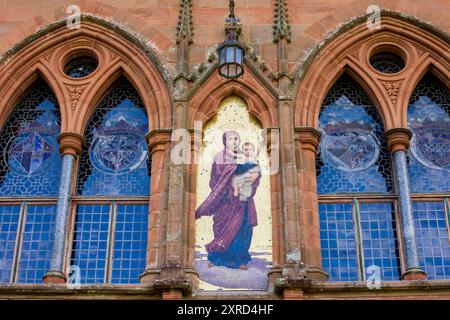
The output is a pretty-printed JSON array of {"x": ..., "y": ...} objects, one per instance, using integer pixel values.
[
  {"x": 111, "y": 234},
  {"x": 359, "y": 250},
  {"x": 19, "y": 240},
  {"x": 447, "y": 215}
]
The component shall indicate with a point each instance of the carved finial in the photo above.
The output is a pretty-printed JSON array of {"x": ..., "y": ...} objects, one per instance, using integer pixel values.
[
  {"x": 281, "y": 29},
  {"x": 185, "y": 29}
]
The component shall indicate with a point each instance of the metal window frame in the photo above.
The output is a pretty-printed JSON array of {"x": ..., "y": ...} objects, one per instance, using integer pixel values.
[
  {"x": 24, "y": 203},
  {"x": 356, "y": 200},
  {"x": 113, "y": 203}
]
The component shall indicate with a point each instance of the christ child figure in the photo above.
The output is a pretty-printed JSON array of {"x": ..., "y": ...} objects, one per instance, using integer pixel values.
[{"x": 247, "y": 171}]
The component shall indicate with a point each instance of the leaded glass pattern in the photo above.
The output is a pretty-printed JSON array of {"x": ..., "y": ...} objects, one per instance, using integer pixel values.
[
  {"x": 90, "y": 242},
  {"x": 387, "y": 62},
  {"x": 36, "y": 243},
  {"x": 80, "y": 67},
  {"x": 130, "y": 243},
  {"x": 338, "y": 242},
  {"x": 379, "y": 236},
  {"x": 29, "y": 158},
  {"x": 352, "y": 157},
  {"x": 9, "y": 222},
  {"x": 432, "y": 237},
  {"x": 429, "y": 120},
  {"x": 114, "y": 161}
]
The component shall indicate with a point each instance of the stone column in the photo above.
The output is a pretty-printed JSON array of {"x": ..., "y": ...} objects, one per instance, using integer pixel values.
[
  {"x": 273, "y": 149},
  {"x": 306, "y": 143},
  {"x": 293, "y": 272},
  {"x": 70, "y": 145},
  {"x": 158, "y": 142},
  {"x": 398, "y": 144}
]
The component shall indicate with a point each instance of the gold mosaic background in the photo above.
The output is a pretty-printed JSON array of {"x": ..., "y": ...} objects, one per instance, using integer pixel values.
[{"x": 233, "y": 115}]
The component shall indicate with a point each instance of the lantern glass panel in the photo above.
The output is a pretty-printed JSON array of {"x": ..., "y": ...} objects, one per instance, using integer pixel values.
[{"x": 230, "y": 54}]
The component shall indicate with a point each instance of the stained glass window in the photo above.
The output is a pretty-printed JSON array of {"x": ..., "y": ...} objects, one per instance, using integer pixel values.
[
  {"x": 130, "y": 243},
  {"x": 80, "y": 67},
  {"x": 379, "y": 236},
  {"x": 432, "y": 237},
  {"x": 29, "y": 158},
  {"x": 347, "y": 256},
  {"x": 429, "y": 120},
  {"x": 25, "y": 251},
  {"x": 110, "y": 242},
  {"x": 90, "y": 242},
  {"x": 338, "y": 242},
  {"x": 36, "y": 245},
  {"x": 352, "y": 156},
  {"x": 387, "y": 62},
  {"x": 114, "y": 161},
  {"x": 9, "y": 221}
]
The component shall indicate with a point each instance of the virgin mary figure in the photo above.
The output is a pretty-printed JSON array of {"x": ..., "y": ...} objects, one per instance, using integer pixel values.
[{"x": 233, "y": 219}]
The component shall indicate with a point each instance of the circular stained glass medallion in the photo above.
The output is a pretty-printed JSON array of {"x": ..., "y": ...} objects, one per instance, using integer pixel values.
[
  {"x": 431, "y": 147},
  {"x": 118, "y": 153},
  {"x": 29, "y": 153},
  {"x": 350, "y": 151}
]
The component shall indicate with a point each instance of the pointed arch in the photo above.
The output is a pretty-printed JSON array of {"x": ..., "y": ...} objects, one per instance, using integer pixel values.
[
  {"x": 117, "y": 51},
  {"x": 260, "y": 100},
  {"x": 350, "y": 50}
]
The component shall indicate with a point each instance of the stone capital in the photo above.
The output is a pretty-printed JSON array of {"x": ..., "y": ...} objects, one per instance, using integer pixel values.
[
  {"x": 397, "y": 139},
  {"x": 308, "y": 137},
  {"x": 158, "y": 139},
  {"x": 70, "y": 143}
]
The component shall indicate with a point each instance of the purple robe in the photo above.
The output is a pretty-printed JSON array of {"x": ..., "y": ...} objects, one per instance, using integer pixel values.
[{"x": 226, "y": 209}]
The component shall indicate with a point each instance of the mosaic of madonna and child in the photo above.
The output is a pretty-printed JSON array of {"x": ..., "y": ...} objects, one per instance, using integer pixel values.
[{"x": 233, "y": 222}]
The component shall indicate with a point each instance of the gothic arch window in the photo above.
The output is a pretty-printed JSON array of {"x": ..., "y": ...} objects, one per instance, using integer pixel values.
[
  {"x": 429, "y": 172},
  {"x": 355, "y": 187},
  {"x": 30, "y": 166},
  {"x": 113, "y": 188}
]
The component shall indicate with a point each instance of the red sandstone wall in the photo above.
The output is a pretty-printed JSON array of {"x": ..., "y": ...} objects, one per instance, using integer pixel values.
[{"x": 156, "y": 20}]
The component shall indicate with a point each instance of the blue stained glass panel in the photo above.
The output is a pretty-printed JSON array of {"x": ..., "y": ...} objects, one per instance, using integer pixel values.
[
  {"x": 429, "y": 120},
  {"x": 130, "y": 243},
  {"x": 9, "y": 221},
  {"x": 114, "y": 161},
  {"x": 30, "y": 162},
  {"x": 352, "y": 156},
  {"x": 338, "y": 242},
  {"x": 37, "y": 243},
  {"x": 90, "y": 242},
  {"x": 432, "y": 239},
  {"x": 379, "y": 236}
]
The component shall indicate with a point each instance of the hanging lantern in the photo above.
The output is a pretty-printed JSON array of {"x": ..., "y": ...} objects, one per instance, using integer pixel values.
[{"x": 231, "y": 52}]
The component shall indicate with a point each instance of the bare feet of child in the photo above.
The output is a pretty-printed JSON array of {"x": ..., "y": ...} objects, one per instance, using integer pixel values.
[{"x": 243, "y": 267}]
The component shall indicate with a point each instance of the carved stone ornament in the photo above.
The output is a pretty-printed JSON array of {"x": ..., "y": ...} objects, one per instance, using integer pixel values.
[
  {"x": 75, "y": 93},
  {"x": 392, "y": 87}
]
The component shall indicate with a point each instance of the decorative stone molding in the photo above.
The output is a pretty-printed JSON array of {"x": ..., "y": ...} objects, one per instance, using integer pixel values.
[
  {"x": 54, "y": 277},
  {"x": 70, "y": 143},
  {"x": 398, "y": 139},
  {"x": 420, "y": 51},
  {"x": 392, "y": 87},
  {"x": 172, "y": 280},
  {"x": 294, "y": 281},
  {"x": 281, "y": 28},
  {"x": 185, "y": 28},
  {"x": 309, "y": 138},
  {"x": 355, "y": 53},
  {"x": 75, "y": 93},
  {"x": 158, "y": 139}
]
